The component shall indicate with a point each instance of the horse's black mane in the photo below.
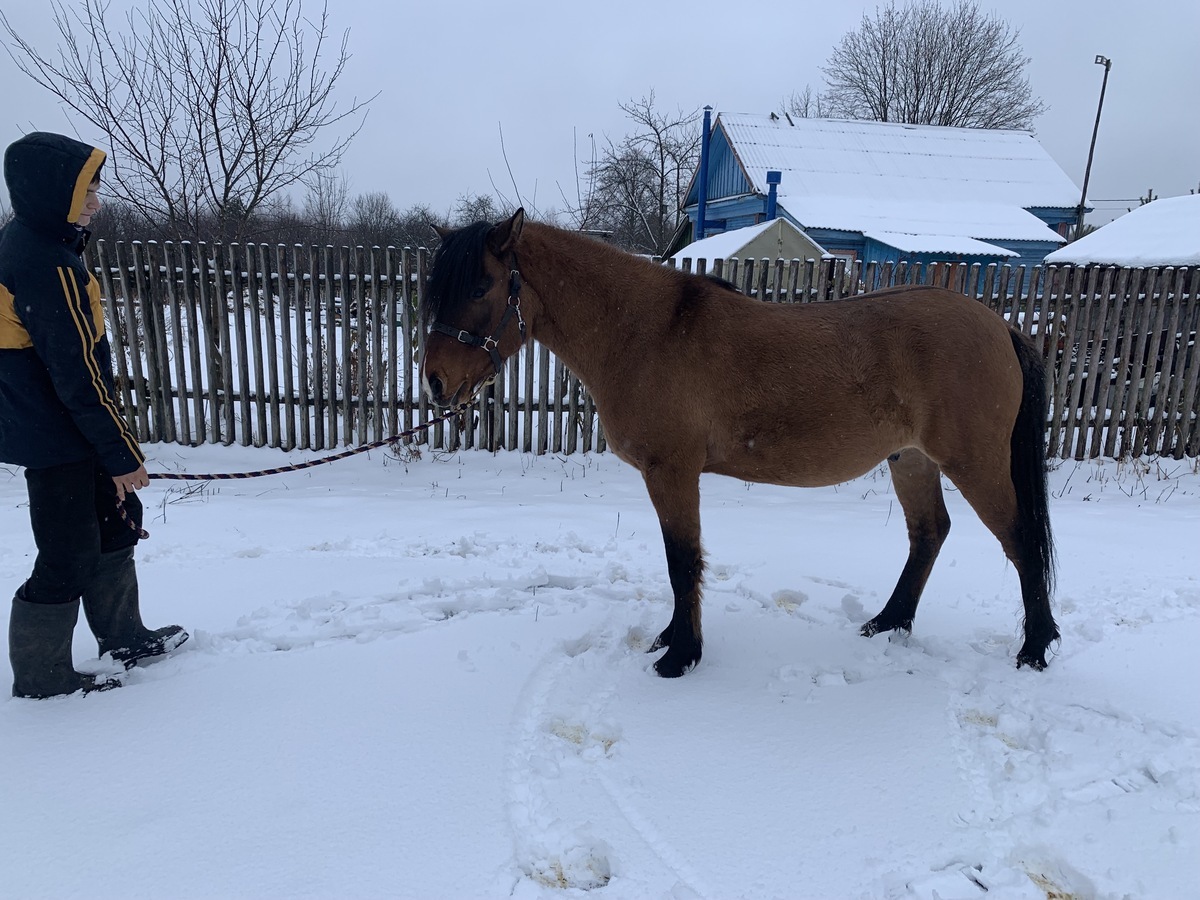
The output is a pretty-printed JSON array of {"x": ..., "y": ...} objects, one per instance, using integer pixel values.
[
  {"x": 723, "y": 282},
  {"x": 456, "y": 267}
]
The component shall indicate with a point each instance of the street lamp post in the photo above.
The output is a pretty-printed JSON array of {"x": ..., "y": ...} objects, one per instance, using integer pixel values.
[{"x": 1087, "y": 173}]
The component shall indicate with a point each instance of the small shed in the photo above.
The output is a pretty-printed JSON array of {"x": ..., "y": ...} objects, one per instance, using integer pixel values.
[
  {"x": 1163, "y": 233},
  {"x": 774, "y": 239}
]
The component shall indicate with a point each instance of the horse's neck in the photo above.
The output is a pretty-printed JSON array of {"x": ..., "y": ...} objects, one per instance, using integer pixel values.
[{"x": 594, "y": 299}]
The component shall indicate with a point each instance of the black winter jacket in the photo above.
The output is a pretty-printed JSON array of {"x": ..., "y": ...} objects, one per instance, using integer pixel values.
[{"x": 57, "y": 399}]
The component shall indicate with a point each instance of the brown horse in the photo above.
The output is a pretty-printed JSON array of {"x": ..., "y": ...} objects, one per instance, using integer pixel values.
[{"x": 690, "y": 376}]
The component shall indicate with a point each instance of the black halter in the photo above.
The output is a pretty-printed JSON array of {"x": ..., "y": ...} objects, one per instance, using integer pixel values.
[{"x": 491, "y": 344}]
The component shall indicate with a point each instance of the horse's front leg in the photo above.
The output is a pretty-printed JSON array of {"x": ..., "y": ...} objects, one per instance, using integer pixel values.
[{"x": 676, "y": 498}]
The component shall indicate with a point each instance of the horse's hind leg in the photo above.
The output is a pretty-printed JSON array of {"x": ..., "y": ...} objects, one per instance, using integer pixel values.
[
  {"x": 1026, "y": 542},
  {"x": 917, "y": 481},
  {"x": 676, "y": 499}
]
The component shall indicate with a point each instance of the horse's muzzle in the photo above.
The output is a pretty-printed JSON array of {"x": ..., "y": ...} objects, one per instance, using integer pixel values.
[
  {"x": 441, "y": 396},
  {"x": 433, "y": 390}
]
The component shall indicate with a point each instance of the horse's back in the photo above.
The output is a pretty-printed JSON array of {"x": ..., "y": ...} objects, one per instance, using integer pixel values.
[{"x": 911, "y": 331}]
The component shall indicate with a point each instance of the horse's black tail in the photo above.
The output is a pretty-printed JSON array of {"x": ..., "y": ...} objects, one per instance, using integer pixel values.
[{"x": 1028, "y": 466}]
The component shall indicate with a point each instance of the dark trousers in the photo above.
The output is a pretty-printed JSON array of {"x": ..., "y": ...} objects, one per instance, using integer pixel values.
[{"x": 75, "y": 517}]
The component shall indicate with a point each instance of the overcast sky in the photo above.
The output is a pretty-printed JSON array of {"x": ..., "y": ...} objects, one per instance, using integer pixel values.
[{"x": 550, "y": 73}]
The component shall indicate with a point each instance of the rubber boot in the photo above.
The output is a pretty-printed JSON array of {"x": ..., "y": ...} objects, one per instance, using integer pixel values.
[
  {"x": 111, "y": 606},
  {"x": 39, "y": 648}
]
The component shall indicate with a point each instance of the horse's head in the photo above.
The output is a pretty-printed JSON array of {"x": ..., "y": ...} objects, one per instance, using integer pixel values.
[{"x": 472, "y": 309}]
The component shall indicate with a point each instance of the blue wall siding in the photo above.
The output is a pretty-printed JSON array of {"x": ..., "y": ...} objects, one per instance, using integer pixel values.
[
  {"x": 836, "y": 242},
  {"x": 731, "y": 213},
  {"x": 725, "y": 176},
  {"x": 1059, "y": 218},
  {"x": 1031, "y": 252}
]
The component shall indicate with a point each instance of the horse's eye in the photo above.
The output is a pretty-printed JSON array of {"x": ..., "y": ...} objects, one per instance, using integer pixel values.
[{"x": 478, "y": 293}]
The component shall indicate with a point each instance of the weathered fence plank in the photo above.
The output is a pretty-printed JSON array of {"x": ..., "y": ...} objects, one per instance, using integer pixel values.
[
  {"x": 1115, "y": 305},
  {"x": 287, "y": 290},
  {"x": 1189, "y": 402},
  {"x": 257, "y": 315},
  {"x": 184, "y": 434},
  {"x": 190, "y": 302}
]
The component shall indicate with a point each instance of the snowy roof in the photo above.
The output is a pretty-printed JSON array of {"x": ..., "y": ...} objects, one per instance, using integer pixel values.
[
  {"x": 968, "y": 184},
  {"x": 851, "y": 158},
  {"x": 1163, "y": 233},
  {"x": 950, "y": 220},
  {"x": 938, "y": 243},
  {"x": 727, "y": 243}
]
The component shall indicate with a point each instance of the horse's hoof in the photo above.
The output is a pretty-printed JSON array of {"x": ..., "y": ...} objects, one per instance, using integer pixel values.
[
  {"x": 663, "y": 640},
  {"x": 1035, "y": 661},
  {"x": 878, "y": 625},
  {"x": 673, "y": 665},
  {"x": 1033, "y": 650}
]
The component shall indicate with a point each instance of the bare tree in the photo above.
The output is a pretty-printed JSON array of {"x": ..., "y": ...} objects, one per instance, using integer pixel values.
[
  {"x": 415, "y": 226},
  {"x": 805, "y": 104},
  {"x": 636, "y": 186},
  {"x": 372, "y": 220},
  {"x": 480, "y": 208},
  {"x": 927, "y": 65},
  {"x": 325, "y": 207},
  {"x": 211, "y": 107}
]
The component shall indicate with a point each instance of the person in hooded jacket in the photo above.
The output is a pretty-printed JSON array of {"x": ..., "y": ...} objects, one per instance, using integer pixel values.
[{"x": 60, "y": 421}]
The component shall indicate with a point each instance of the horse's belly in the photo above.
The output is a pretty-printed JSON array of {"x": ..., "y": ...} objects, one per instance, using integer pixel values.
[
  {"x": 796, "y": 467},
  {"x": 808, "y": 450}
]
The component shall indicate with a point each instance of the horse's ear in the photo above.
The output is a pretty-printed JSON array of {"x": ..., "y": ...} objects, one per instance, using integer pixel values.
[
  {"x": 441, "y": 232},
  {"x": 503, "y": 237}
]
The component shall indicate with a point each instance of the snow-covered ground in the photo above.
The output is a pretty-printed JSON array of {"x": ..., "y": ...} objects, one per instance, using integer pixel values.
[{"x": 427, "y": 679}]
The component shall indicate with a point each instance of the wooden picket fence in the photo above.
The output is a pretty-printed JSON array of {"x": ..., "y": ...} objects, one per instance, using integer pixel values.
[{"x": 318, "y": 347}]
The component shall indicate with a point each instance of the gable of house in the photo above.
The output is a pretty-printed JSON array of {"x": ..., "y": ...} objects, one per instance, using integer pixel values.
[{"x": 774, "y": 239}]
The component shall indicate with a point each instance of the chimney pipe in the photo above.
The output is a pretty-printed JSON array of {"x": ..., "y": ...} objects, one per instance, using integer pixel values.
[
  {"x": 702, "y": 178},
  {"x": 773, "y": 179}
]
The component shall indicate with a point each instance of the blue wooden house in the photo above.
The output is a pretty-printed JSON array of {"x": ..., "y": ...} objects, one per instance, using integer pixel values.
[{"x": 884, "y": 192}]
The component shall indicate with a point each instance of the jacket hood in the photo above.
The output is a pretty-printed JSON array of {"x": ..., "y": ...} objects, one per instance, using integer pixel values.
[{"x": 48, "y": 177}]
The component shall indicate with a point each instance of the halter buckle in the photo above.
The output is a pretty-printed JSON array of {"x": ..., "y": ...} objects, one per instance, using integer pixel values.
[{"x": 514, "y": 302}]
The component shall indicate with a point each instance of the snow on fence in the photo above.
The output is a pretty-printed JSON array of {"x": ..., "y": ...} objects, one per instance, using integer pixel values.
[{"x": 318, "y": 347}]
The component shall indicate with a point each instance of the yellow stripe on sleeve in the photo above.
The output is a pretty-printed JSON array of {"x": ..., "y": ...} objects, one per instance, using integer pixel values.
[{"x": 75, "y": 305}]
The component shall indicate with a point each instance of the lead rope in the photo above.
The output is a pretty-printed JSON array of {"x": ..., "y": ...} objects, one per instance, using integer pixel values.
[{"x": 294, "y": 467}]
